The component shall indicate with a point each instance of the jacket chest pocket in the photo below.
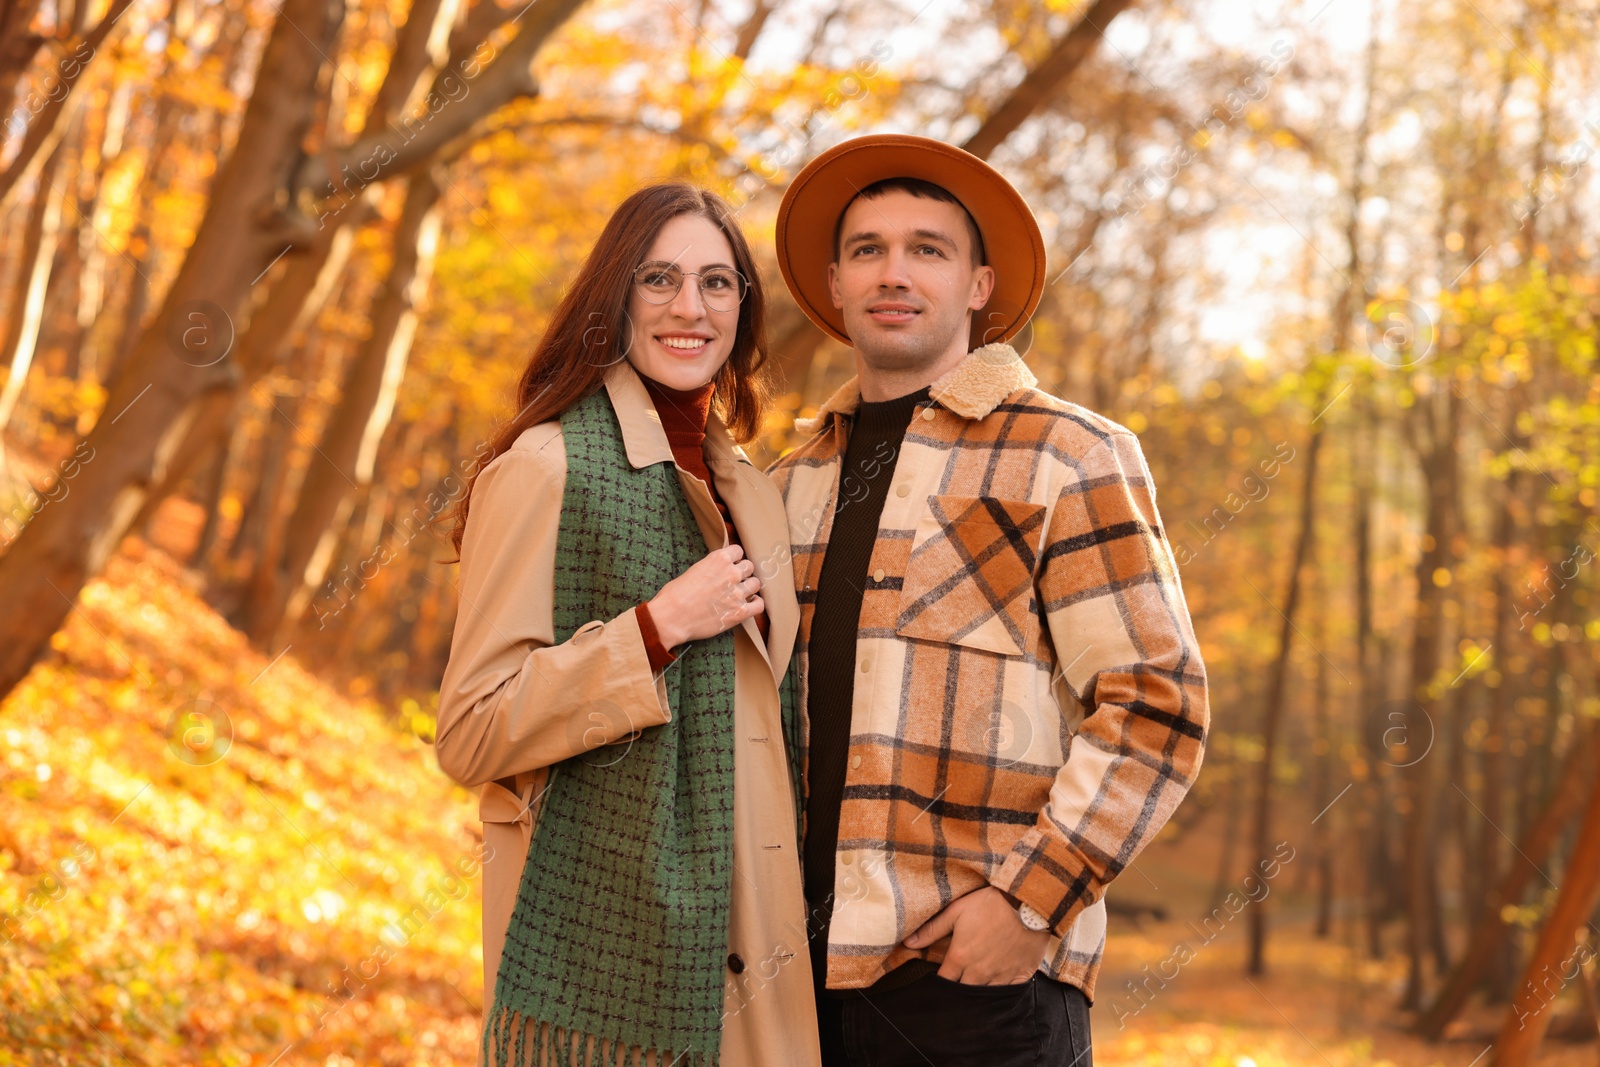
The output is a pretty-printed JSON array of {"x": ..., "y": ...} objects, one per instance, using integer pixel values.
[{"x": 969, "y": 579}]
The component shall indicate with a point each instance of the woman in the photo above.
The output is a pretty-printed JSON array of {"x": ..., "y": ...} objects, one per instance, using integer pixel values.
[{"x": 626, "y": 621}]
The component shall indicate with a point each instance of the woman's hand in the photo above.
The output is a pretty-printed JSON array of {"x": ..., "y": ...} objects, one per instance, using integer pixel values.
[{"x": 716, "y": 594}]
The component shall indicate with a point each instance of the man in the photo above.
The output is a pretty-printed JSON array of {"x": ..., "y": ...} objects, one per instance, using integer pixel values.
[{"x": 1004, "y": 699}]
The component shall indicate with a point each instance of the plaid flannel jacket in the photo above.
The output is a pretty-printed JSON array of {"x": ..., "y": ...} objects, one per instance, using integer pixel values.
[{"x": 1030, "y": 703}]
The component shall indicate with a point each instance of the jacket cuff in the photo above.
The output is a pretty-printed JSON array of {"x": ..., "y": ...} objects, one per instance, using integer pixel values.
[
  {"x": 622, "y": 682},
  {"x": 1045, "y": 874},
  {"x": 660, "y": 655}
]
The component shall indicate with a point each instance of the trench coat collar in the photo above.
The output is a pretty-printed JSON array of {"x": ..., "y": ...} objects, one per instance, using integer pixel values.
[{"x": 754, "y": 505}]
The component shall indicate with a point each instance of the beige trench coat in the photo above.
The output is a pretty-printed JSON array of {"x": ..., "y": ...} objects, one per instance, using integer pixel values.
[{"x": 512, "y": 703}]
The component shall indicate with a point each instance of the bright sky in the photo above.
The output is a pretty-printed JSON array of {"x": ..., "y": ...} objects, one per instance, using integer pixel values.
[{"x": 1258, "y": 251}]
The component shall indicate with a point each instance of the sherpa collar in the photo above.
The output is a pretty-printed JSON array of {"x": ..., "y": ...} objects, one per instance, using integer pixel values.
[{"x": 972, "y": 388}]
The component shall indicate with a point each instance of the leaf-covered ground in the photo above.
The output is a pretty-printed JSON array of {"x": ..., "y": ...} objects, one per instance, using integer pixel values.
[
  {"x": 211, "y": 857},
  {"x": 1319, "y": 1005}
]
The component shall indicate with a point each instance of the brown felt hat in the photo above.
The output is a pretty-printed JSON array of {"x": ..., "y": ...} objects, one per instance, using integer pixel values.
[{"x": 819, "y": 194}]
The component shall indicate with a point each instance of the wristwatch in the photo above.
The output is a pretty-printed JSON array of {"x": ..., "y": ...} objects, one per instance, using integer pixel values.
[{"x": 1032, "y": 919}]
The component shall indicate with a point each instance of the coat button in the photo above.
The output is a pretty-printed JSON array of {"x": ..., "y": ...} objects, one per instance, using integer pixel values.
[
  {"x": 864, "y": 665},
  {"x": 735, "y": 963},
  {"x": 927, "y": 413},
  {"x": 877, "y": 575},
  {"x": 855, "y": 761},
  {"x": 902, "y": 489}
]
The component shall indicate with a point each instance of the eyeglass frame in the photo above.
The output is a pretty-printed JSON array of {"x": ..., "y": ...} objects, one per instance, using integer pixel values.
[{"x": 744, "y": 289}]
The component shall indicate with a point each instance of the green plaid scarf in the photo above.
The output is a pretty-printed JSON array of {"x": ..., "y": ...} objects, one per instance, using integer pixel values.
[{"x": 619, "y": 938}]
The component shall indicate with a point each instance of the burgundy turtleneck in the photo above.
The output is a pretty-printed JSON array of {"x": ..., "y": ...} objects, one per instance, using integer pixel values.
[{"x": 684, "y": 413}]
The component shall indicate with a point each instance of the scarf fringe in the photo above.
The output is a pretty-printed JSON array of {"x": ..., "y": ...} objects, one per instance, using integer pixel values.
[{"x": 512, "y": 1039}]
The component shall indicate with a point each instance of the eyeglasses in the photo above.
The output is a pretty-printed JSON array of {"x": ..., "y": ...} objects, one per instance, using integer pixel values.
[{"x": 722, "y": 288}]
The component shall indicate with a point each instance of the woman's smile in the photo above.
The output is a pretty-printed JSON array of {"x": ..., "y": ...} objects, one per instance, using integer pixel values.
[{"x": 684, "y": 345}]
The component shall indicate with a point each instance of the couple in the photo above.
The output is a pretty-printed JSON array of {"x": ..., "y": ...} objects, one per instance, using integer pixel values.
[{"x": 894, "y": 849}]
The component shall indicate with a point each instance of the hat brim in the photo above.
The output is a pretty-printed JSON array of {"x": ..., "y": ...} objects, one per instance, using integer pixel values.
[{"x": 819, "y": 194}]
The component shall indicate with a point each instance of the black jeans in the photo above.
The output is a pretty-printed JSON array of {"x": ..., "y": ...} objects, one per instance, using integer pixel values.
[{"x": 934, "y": 1022}]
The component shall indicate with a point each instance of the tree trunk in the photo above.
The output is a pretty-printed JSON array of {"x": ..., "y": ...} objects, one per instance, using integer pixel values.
[
  {"x": 247, "y": 226},
  {"x": 794, "y": 347},
  {"x": 1422, "y": 691},
  {"x": 1272, "y": 712},
  {"x": 290, "y": 308},
  {"x": 1554, "y": 955},
  {"x": 166, "y": 151},
  {"x": 1343, "y": 310},
  {"x": 209, "y": 493},
  {"x": 1322, "y": 831},
  {"x": 1491, "y": 849},
  {"x": 1460, "y": 817},
  {"x": 1232, "y": 824},
  {"x": 307, "y": 279},
  {"x": 39, "y": 239},
  {"x": 79, "y": 302},
  {"x": 153, "y": 404},
  {"x": 1424, "y": 925},
  {"x": 262, "y": 527},
  {"x": 343, "y": 462},
  {"x": 1490, "y": 929},
  {"x": 18, "y": 46},
  {"x": 1372, "y": 857}
]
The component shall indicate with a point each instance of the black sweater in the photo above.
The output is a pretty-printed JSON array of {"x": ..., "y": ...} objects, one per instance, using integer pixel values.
[{"x": 866, "y": 474}]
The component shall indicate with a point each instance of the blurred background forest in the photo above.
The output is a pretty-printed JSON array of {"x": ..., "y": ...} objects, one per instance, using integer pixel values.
[{"x": 268, "y": 274}]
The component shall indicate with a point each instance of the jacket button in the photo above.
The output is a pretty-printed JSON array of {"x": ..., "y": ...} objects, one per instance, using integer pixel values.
[
  {"x": 735, "y": 963},
  {"x": 902, "y": 489},
  {"x": 855, "y": 761},
  {"x": 927, "y": 413},
  {"x": 877, "y": 575}
]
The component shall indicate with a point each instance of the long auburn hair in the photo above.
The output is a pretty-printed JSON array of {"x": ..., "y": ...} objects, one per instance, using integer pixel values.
[{"x": 590, "y": 329}]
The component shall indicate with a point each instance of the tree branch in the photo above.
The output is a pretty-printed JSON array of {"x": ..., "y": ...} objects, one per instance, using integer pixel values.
[
  {"x": 462, "y": 94},
  {"x": 1044, "y": 79},
  {"x": 751, "y": 30},
  {"x": 44, "y": 132}
]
